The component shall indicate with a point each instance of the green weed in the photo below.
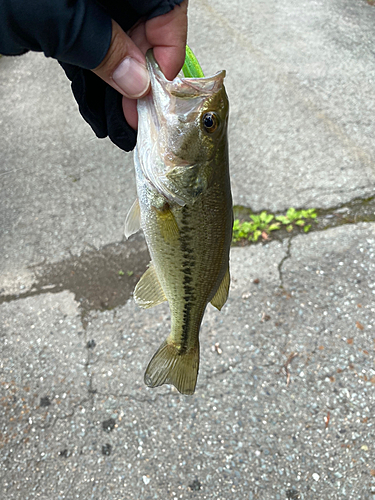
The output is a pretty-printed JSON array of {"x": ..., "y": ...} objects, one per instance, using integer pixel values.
[
  {"x": 263, "y": 224},
  {"x": 129, "y": 273}
]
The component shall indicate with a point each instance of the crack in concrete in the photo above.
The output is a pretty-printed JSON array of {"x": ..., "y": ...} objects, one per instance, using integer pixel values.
[
  {"x": 69, "y": 415},
  {"x": 281, "y": 263},
  {"x": 131, "y": 397},
  {"x": 11, "y": 456}
]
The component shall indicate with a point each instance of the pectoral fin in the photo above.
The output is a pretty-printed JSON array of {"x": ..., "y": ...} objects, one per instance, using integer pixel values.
[
  {"x": 222, "y": 293},
  {"x": 133, "y": 219},
  {"x": 167, "y": 224},
  {"x": 148, "y": 291}
]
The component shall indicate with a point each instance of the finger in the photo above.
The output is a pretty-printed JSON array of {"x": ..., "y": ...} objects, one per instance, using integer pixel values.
[
  {"x": 129, "y": 107},
  {"x": 138, "y": 36},
  {"x": 124, "y": 66},
  {"x": 167, "y": 34}
]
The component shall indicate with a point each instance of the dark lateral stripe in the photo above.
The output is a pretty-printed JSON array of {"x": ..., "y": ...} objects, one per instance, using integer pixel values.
[{"x": 187, "y": 265}]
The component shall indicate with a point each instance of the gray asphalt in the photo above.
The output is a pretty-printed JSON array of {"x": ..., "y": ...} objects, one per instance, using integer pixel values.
[{"x": 285, "y": 400}]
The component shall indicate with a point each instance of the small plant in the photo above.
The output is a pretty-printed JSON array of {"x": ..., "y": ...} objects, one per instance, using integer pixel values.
[
  {"x": 297, "y": 217},
  {"x": 253, "y": 230},
  {"x": 129, "y": 273},
  {"x": 263, "y": 224}
]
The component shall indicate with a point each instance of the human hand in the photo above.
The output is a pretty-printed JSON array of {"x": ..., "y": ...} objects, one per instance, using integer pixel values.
[
  {"x": 79, "y": 35},
  {"x": 124, "y": 66}
]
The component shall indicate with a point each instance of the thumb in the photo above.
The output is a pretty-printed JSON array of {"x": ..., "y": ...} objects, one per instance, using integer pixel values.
[{"x": 124, "y": 66}]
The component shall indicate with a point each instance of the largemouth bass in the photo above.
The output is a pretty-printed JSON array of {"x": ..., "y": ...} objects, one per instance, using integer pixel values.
[{"x": 184, "y": 207}]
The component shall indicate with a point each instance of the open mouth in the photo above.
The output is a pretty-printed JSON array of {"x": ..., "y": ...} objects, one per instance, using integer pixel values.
[{"x": 181, "y": 96}]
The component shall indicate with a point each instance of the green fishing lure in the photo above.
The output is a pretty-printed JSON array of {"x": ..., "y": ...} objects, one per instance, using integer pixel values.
[{"x": 191, "y": 67}]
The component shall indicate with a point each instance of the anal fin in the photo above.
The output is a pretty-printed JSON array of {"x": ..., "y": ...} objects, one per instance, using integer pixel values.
[
  {"x": 170, "y": 366},
  {"x": 133, "y": 219},
  {"x": 221, "y": 295},
  {"x": 148, "y": 291}
]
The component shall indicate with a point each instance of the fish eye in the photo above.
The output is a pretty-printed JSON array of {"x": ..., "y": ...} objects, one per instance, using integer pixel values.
[{"x": 210, "y": 122}]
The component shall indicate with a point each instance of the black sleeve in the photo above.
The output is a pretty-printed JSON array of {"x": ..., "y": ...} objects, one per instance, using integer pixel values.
[
  {"x": 142, "y": 8},
  {"x": 78, "y": 33}
]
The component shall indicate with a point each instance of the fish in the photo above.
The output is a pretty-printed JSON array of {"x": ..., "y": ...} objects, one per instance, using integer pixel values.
[{"x": 184, "y": 208}]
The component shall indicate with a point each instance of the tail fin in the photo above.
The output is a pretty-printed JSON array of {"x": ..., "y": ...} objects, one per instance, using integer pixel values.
[{"x": 170, "y": 366}]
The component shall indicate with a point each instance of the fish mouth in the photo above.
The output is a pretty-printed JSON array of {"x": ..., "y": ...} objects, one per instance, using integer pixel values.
[
  {"x": 182, "y": 97},
  {"x": 182, "y": 87}
]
